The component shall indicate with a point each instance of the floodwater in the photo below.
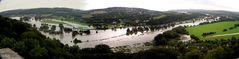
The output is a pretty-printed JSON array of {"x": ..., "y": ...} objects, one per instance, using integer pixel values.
[{"x": 113, "y": 38}]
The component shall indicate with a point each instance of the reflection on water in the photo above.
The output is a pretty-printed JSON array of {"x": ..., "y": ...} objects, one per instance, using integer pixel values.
[{"x": 110, "y": 37}]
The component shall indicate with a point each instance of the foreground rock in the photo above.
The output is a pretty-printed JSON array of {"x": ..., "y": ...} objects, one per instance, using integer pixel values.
[{"x": 7, "y": 53}]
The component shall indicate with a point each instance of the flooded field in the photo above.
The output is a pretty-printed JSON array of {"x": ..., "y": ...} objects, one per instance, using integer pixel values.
[{"x": 113, "y": 38}]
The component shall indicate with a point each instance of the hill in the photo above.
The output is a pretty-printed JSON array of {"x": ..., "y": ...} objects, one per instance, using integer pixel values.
[
  {"x": 121, "y": 14},
  {"x": 114, "y": 15},
  {"x": 210, "y": 12},
  {"x": 41, "y": 12}
]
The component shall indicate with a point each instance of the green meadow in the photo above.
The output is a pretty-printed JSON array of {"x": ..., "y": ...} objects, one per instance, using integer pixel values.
[{"x": 214, "y": 27}]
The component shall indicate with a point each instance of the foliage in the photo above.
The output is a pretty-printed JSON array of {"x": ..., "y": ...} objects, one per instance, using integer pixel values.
[
  {"x": 38, "y": 52},
  {"x": 194, "y": 37},
  {"x": 218, "y": 53},
  {"x": 77, "y": 41},
  {"x": 6, "y": 42},
  {"x": 156, "y": 53},
  {"x": 163, "y": 39},
  {"x": 194, "y": 54}
]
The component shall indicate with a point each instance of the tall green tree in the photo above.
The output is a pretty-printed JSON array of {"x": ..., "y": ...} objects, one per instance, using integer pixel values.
[
  {"x": 7, "y": 42},
  {"x": 38, "y": 52},
  {"x": 61, "y": 27},
  {"x": 194, "y": 54}
]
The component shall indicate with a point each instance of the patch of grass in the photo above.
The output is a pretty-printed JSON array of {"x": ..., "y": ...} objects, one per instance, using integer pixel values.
[
  {"x": 214, "y": 27},
  {"x": 223, "y": 37},
  {"x": 158, "y": 17},
  {"x": 53, "y": 22},
  {"x": 57, "y": 22},
  {"x": 71, "y": 20}
]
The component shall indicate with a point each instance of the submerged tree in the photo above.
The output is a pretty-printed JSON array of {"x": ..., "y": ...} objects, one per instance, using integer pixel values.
[
  {"x": 61, "y": 27},
  {"x": 53, "y": 27},
  {"x": 77, "y": 41},
  {"x": 128, "y": 31}
]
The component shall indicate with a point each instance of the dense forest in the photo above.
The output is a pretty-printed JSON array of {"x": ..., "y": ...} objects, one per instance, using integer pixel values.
[
  {"x": 211, "y": 12},
  {"x": 31, "y": 44},
  {"x": 61, "y": 12}
]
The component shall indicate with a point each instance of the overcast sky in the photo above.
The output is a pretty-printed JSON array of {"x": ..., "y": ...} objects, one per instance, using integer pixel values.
[{"x": 160, "y": 5}]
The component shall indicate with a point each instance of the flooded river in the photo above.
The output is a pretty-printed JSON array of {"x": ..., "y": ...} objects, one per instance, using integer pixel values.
[{"x": 113, "y": 38}]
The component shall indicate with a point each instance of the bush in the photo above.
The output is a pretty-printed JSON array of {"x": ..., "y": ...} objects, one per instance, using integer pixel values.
[
  {"x": 224, "y": 30},
  {"x": 194, "y": 37},
  {"x": 77, "y": 41}
]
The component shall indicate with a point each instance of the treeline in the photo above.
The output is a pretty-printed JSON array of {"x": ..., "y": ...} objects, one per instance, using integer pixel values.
[
  {"x": 208, "y": 33},
  {"x": 46, "y": 13},
  {"x": 222, "y": 19}
]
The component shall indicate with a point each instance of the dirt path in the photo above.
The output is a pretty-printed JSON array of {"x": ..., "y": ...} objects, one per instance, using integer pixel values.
[{"x": 225, "y": 34}]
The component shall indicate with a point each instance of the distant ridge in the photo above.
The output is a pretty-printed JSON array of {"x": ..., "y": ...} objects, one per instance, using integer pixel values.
[{"x": 125, "y": 15}]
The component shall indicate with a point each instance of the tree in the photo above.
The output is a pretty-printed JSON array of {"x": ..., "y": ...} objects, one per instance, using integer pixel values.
[
  {"x": 224, "y": 30},
  {"x": 180, "y": 30},
  {"x": 170, "y": 34},
  {"x": 34, "y": 26},
  {"x": 218, "y": 53},
  {"x": 128, "y": 31},
  {"x": 74, "y": 33},
  {"x": 194, "y": 37},
  {"x": 61, "y": 27},
  {"x": 38, "y": 52},
  {"x": 44, "y": 27},
  {"x": 77, "y": 41},
  {"x": 31, "y": 34},
  {"x": 74, "y": 49},
  {"x": 20, "y": 48},
  {"x": 194, "y": 54},
  {"x": 53, "y": 28},
  {"x": 231, "y": 28},
  {"x": 160, "y": 40},
  {"x": 102, "y": 48},
  {"x": 7, "y": 42}
]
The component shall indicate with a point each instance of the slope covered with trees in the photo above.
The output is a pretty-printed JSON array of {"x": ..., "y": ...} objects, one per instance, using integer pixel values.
[
  {"x": 211, "y": 12},
  {"x": 64, "y": 12},
  {"x": 107, "y": 16}
]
